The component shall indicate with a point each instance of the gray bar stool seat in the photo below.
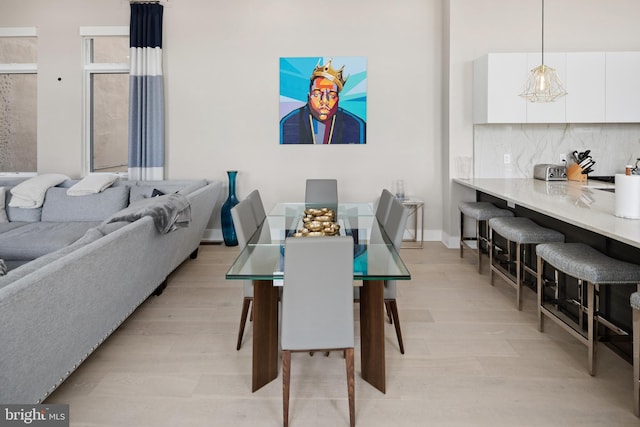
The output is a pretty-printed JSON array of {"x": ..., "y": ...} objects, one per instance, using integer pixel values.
[
  {"x": 635, "y": 305},
  {"x": 481, "y": 212},
  {"x": 525, "y": 234},
  {"x": 588, "y": 266}
]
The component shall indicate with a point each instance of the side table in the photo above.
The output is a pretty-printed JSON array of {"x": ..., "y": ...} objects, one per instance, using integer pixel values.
[{"x": 416, "y": 210}]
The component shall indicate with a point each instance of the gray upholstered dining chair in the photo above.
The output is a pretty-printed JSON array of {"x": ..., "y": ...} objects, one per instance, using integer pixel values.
[
  {"x": 394, "y": 229},
  {"x": 384, "y": 205},
  {"x": 245, "y": 225},
  {"x": 318, "y": 273},
  {"x": 258, "y": 208},
  {"x": 321, "y": 193}
]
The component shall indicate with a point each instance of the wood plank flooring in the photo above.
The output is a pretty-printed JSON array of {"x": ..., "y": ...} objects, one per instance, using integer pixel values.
[{"x": 471, "y": 359}]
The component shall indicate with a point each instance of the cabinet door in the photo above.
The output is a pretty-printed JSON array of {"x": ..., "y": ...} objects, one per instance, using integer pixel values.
[
  {"x": 622, "y": 87},
  {"x": 497, "y": 81},
  {"x": 548, "y": 112},
  {"x": 585, "y": 87}
]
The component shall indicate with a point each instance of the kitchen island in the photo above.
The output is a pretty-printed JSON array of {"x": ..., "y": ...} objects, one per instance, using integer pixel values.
[{"x": 583, "y": 212}]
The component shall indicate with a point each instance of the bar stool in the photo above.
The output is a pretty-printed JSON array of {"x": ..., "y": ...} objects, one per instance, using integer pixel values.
[
  {"x": 481, "y": 212},
  {"x": 635, "y": 305},
  {"x": 524, "y": 233},
  {"x": 588, "y": 266}
]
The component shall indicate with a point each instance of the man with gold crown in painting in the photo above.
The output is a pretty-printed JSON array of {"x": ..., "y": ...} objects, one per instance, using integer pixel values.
[{"x": 321, "y": 120}]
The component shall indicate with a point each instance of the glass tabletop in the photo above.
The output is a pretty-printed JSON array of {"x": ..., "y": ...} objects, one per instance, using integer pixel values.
[{"x": 375, "y": 258}]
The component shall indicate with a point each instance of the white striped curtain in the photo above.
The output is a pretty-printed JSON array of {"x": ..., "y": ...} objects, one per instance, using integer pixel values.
[{"x": 146, "y": 93}]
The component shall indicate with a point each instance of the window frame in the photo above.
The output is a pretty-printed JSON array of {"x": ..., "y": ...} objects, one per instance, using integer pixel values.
[
  {"x": 20, "y": 68},
  {"x": 88, "y": 70}
]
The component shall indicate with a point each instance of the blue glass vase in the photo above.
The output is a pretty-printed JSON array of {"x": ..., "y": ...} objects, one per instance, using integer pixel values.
[{"x": 228, "y": 231}]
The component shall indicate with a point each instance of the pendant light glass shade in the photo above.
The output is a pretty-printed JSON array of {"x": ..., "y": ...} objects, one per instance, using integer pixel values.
[{"x": 543, "y": 84}]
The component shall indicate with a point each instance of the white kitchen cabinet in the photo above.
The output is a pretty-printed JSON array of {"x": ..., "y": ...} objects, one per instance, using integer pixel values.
[
  {"x": 602, "y": 87},
  {"x": 622, "y": 87},
  {"x": 585, "y": 85},
  {"x": 498, "y": 79},
  {"x": 548, "y": 112}
]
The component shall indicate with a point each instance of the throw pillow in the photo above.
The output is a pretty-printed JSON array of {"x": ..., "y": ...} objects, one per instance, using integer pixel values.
[
  {"x": 3, "y": 268},
  {"x": 3, "y": 212},
  {"x": 30, "y": 193},
  {"x": 156, "y": 193},
  {"x": 92, "y": 184}
]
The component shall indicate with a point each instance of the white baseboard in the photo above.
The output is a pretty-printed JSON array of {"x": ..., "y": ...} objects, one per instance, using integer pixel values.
[
  {"x": 212, "y": 235},
  {"x": 451, "y": 242}
]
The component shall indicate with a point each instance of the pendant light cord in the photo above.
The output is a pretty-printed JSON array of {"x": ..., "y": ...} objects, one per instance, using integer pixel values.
[{"x": 543, "y": 33}]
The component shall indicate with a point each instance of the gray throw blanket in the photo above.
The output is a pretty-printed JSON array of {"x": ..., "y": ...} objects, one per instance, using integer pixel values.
[{"x": 169, "y": 212}]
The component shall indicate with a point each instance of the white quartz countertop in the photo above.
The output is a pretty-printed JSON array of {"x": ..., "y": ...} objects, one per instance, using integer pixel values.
[{"x": 584, "y": 205}]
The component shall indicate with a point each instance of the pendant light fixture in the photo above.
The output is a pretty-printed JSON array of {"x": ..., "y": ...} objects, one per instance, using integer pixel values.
[{"x": 543, "y": 84}]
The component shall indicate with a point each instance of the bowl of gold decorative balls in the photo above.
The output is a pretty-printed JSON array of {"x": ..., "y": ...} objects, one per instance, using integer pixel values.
[{"x": 318, "y": 222}]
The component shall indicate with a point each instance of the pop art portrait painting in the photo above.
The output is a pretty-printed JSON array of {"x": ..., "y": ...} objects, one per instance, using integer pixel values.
[{"x": 323, "y": 100}]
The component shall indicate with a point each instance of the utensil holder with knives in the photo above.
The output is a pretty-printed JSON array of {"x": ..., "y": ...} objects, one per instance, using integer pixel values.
[
  {"x": 583, "y": 165},
  {"x": 574, "y": 173}
]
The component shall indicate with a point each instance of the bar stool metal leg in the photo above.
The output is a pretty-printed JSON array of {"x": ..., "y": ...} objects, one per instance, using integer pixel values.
[
  {"x": 479, "y": 241},
  {"x": 461, "y": 232},
  {"x": 491, "y": 249},
  {"x": 518, "y": 278},
  {"x": 591, "y": 328},
  {"x": 636, "y": 360},
  {"x": 540, "y": 281},
  {"x": 581, "y": 307}
]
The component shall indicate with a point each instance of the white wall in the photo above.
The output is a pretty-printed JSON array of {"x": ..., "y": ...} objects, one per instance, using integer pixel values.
[{"x": 221, "y": 68}]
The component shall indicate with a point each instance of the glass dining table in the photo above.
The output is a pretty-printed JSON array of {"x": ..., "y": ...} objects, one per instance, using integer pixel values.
[{"x": 375, "y": 260}]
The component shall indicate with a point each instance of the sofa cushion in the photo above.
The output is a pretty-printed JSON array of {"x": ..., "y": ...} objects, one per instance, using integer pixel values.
[
  {"x": 145, "y": 189},
  {"x": 22, "y": 214},
  {"x": 35, "y": 239},
  {"x": 193, "y": 186},
  {"x": 60, "y": 207}
]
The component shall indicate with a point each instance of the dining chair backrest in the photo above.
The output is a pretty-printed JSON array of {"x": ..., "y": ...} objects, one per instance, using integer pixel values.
[
  {"x": 321, "y": 192},
  {"x": 243, "y": 222},
  {"x": 396, "y": 222},
  {"x": 259, "y": 213},
  {"x": 317, "y": 296},
  {"x": 384, "y": 205}
]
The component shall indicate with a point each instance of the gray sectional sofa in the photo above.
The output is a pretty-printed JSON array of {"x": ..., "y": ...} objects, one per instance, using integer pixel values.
[{"x": 80, "y": 265}]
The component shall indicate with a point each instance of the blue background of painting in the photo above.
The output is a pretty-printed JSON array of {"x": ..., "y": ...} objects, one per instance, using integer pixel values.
[{"x": 294, "y": 82}]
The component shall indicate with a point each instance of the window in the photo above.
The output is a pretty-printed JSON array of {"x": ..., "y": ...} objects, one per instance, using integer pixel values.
[
  {"x": 18, "y": 100},
  {"x": 106, "y": 98}
]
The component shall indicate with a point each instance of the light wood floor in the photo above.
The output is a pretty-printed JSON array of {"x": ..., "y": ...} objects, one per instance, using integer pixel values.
[{"x": 471, "y": 360}]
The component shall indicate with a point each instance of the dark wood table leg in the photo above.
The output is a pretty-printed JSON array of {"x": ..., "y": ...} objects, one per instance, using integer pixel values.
[
  {"x": 265, "y": 333},
  {"x": 372, "y": 333}
]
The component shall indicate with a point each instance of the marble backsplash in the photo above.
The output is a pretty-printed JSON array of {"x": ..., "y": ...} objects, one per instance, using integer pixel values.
[{"x": 611, "y": 145}]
